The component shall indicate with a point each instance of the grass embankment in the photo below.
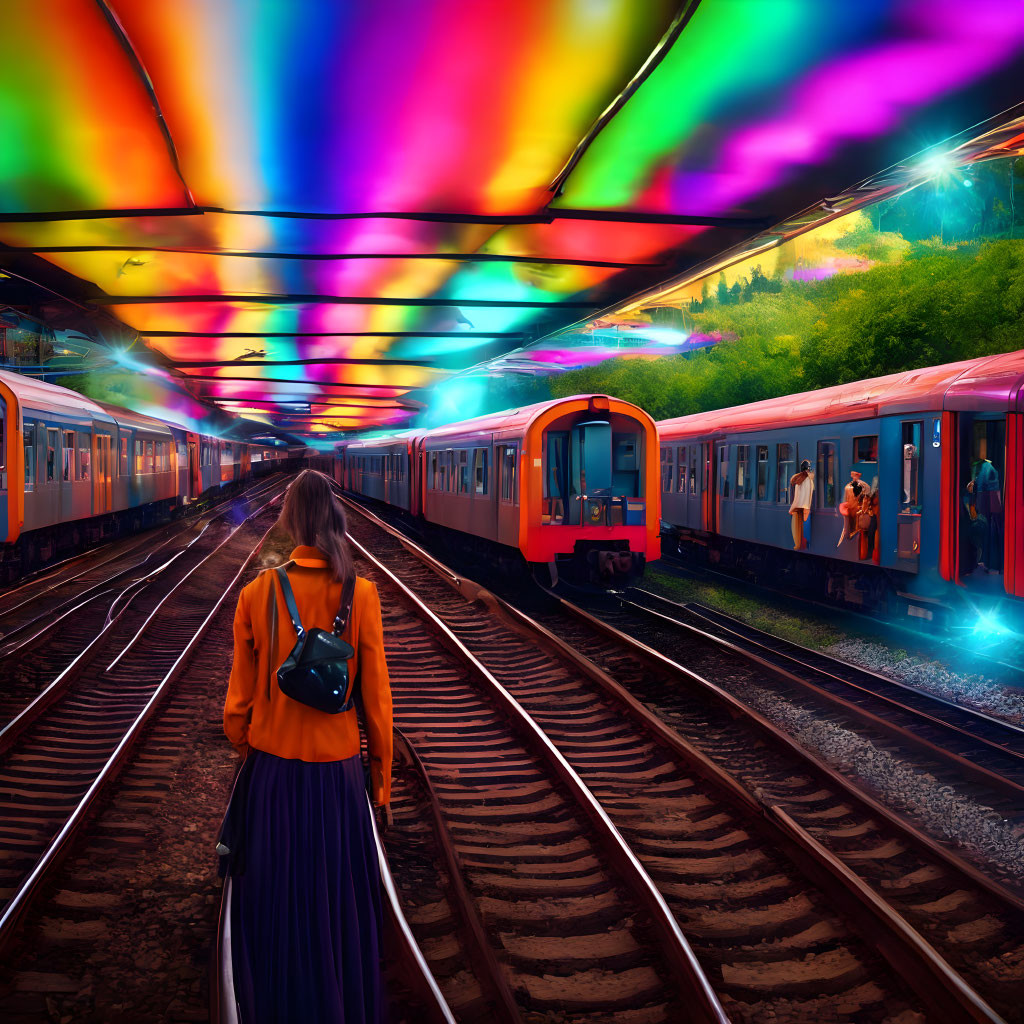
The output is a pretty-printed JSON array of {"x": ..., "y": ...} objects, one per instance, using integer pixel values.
[{"x": 752, "y": 611}]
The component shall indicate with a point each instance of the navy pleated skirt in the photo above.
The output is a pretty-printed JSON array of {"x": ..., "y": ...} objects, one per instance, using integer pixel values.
[{"x": 306, "y": 905}]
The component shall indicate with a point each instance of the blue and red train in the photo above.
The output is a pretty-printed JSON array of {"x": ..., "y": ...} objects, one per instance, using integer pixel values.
[{"x": 938, "y": 452}]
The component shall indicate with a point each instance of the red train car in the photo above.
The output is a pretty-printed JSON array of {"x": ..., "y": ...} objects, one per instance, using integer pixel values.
[{"x": 571, "y": 483}]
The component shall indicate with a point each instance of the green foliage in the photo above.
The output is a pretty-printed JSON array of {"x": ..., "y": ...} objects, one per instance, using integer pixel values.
[
  {"x": 939, "y": 306},
  {"x": 930, "y": 304}
]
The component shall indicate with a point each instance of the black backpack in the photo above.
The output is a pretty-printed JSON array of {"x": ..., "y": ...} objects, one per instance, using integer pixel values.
[{"x": 315, "y": 673}]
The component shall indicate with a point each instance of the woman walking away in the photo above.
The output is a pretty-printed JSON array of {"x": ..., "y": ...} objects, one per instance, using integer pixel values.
[
  {"x": 802, "y": 486},
  {"x": 298, "y": 839}
]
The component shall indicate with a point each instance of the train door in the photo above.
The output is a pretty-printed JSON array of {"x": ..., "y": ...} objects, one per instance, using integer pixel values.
[
  {"x": 908, "y": 518},
  {"x": 590, "y": 472},
  {"x": 195, "y": 487},
  {"x": 707, "y": 487},
  {"x": 102, "y": 482},
  {"x": 981, "y": 479},
  {"x": 556, "y": 483}
]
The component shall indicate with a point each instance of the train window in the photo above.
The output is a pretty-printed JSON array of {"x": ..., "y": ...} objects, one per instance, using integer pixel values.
[
  {"x": 122, "y": 456},
  {"x": 139, "y": 448},
  {"x": 433, "y": 471},
  {"x": 480, "y": 470},
  {"x": 463, "y": 471},
  {"x": 30, "y": 453},
  {"x": 762, "y": 472},
  {"x": 865, "y": 449},
  {"x": 723, "y": 471},
  {"x": 910, "y": 500},
  {"x": 507, "y": 461},
  {"x": 681, "y": 470},
  {"x": 51, "y": 453},
  {"x": 693, "y": 469},
  {"x": 743, "y": 481},
  {"x": 69, "y": 455},
  {"x": 150, "y": 466},
  {"x": 3, "y": 482},
  {"x": 785, "y": 461},
  {"x": 825, "y": 485},
  {"x": 84, "y": 457},
  {"x": 666, "y": 469}
]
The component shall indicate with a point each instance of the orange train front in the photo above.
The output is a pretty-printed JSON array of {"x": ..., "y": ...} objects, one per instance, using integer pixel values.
[{"x": 570, "y": 484}]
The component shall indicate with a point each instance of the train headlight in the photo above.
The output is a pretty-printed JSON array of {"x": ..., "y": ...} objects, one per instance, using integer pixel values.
[{"x": 595, "y": 513}]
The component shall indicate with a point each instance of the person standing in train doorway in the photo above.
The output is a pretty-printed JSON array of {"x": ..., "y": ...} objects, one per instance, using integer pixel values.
[
  {"x": 987, "y": 499},
  {"x": 297, "y": 840},
  {"x": 802, "y": 487}
]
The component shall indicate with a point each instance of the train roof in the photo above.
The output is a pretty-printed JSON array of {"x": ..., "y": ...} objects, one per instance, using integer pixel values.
[
  {"x": 136, "y": 420},
  {"x": 38, "y": 394},
  {"x": 990, "y": 384},
  {"x": 510, "y": 419}
]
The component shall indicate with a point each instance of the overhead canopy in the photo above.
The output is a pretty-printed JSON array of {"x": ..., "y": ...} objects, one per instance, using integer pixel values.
[{"x": 315, "y": 208}]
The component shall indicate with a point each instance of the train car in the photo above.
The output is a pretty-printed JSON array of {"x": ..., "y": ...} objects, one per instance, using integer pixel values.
[
  {"x": 75, "y": 471},
  {"x": 67, "y": 460},
  {"x": 262, "y": 458},
  {"x": 938, "y": 452},
  {"x": 379, "y": 469},
  {"x": 145, "y": 475},
  {"x": 569, "y": 484}
]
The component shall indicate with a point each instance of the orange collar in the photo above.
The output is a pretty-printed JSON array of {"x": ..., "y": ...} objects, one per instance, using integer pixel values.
[{"x": 309, "y": 557}]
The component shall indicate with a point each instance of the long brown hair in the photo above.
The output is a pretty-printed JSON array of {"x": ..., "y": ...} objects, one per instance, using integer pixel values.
[{"x": 313, "y": 516}]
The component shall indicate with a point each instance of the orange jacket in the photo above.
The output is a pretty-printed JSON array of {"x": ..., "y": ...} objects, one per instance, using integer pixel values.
[{"x": 257, "y": 714}]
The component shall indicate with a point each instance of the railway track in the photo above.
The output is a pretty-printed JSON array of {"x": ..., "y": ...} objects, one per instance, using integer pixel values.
[
  {"x": 53, "y": 591},
  {"x": 64, "y": 748},
  {"x": 971, "y": 918},
  {"x": 996, "y": 660},
  {"x": 755, "y": 890},
  {"x": 555, "y": 898},
  {"x": 41, "y": 657},
  {"x": 986, "y": 740},
  {"x": 964, "y": 749}
]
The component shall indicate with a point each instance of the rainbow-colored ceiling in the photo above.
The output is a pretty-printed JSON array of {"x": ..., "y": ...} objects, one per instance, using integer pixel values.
[{"x": 314, "y": 209}]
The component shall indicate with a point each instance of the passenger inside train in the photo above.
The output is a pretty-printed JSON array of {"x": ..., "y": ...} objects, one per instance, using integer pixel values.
[{"x": 983, "y": 472}]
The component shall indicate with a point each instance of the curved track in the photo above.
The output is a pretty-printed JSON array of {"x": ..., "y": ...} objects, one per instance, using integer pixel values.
[{"x": 993, "y": 744}]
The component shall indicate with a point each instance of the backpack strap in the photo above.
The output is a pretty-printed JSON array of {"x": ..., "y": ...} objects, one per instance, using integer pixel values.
[
  {"x": 348, "y": 592},
  {"x": 289, "y": 600}
]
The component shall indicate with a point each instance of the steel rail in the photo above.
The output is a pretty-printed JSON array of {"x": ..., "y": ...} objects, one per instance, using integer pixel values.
[
  {"x": 1012, "y": 730},
  {"x": 934, "y": 980},
  {"x": 52, "y": 692},
  {"x": 417, "y": 971},
  {"x": 986, "y": 776},
  {"x": 480, "y": 951},
  {"x": 21, "y": 898},
  {"x": 688, "y": 973},
  {"x": 139, "y": 540},
  {"x": 897, "y": 821}
]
